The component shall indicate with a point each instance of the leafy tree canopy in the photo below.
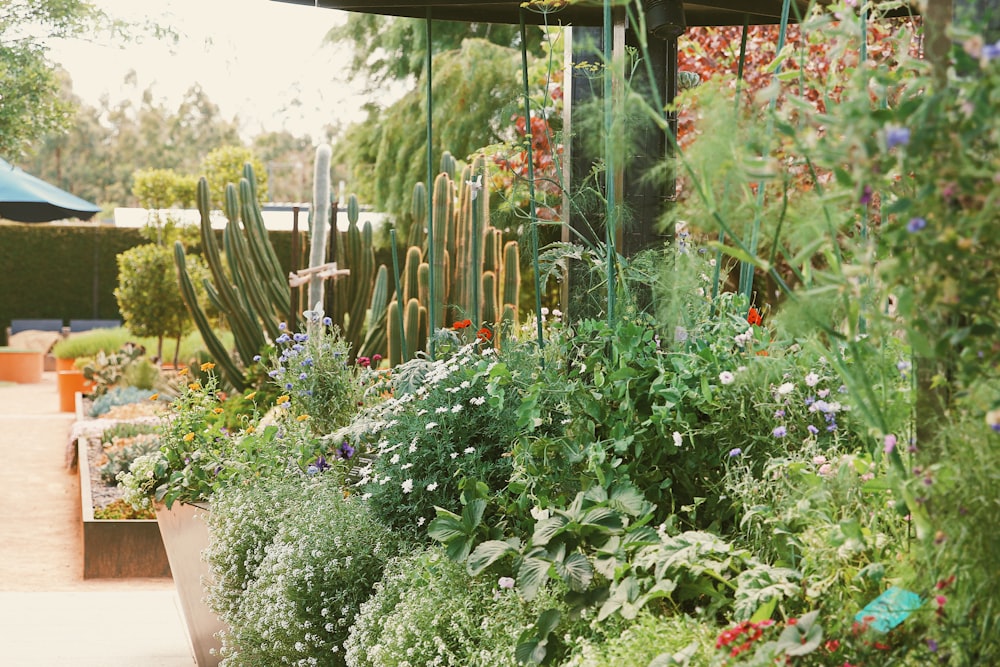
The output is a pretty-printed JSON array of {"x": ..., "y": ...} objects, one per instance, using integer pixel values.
[{"x": 393, "y": 49}]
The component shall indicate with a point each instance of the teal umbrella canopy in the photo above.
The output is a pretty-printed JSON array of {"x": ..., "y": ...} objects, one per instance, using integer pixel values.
[{"x": 27, "y": 198}]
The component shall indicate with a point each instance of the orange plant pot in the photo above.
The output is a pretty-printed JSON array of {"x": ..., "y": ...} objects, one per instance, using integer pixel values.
[
  {"x": 69, "y": 383},
  {"x": 65, "y": 364},
  {"x": 21, "y": 366}
]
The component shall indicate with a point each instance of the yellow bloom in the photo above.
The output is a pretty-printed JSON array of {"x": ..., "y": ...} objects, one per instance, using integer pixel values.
[
  {"x": 207, "y": 366},
  {"x": 154, "y": 397},
  {"x": 302, "y": 418},
  {"x": 218, "y": 411},
  {"x": 250, "y": 396},
  {"x": 249, "y": 429},
  {"x": 183, "y": 371},
  {"x": 188, "y": 437},
  {"x": 282, "y": 399},
  {"x": 194, "y": 386}
]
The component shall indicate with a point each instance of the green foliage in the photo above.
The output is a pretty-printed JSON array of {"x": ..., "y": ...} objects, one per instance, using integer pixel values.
[
  {"x": 470, "y": 111},
  {"x": 427, "y": 610},
  {"x": 289, "y": 591},
  {"x": 120, "y": 458},
  {"x": 651, "y": 641},
  {"x": 91, "y": 343},
  {"x": 107, "y": 371},
  {"x": 454, "y": 426},
  {"x": 147, "y": 292},
  {"x": 224, "y": 165},
  {"x": 119, "y": 509},
  {"x": 199, "y": 455},
  {"x": 312, "y": 368}
]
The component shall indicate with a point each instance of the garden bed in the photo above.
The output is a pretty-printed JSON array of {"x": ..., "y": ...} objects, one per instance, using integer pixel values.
[{"x": 113, "y": 548}]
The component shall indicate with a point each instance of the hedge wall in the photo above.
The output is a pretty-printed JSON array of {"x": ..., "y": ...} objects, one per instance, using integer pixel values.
[{"x": 70, "y": 272}]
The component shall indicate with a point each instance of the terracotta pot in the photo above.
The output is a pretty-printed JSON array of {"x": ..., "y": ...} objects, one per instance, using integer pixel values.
[
  {"x": 21, "y": 366},
  {"x": 70, "y": 383},
  {"x": 185, "y": 536},
  {"x": 66, "y": 364}
]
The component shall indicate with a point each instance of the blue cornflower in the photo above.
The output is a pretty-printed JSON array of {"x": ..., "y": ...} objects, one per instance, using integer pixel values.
[
  {"x": 256, "y": 357},
  {"x": 779, "y": 432},
  {"x": 303, "y": 376},
  {"x": 897, "y": 136},
  {"x": 312, "y": 470},
  {"x": 915, "y": 225},
  {"x": 301, "y": 337},
  {"x": 778, "y": 414},
  {"x": 274, "y": 373},
  {"x": 283, "y": 338},
  {"x": 297, "y": 347},
  {"x": 832, "y": 427},
  {"x": 327, "y": 321},
  {"x": 307, "y": 362},
  {"x": 282, "y": 326},
  {"x": 288, "y": 385},
  {"x": 991, "y": 51},
  {"x": 736, "y": 451},
  {"x": 812, "y": 429}
]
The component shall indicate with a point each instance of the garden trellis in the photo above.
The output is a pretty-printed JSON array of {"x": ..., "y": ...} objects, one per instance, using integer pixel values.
[{"x": 610, "y": 23}]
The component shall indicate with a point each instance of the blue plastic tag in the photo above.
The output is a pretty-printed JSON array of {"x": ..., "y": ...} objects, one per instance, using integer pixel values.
[{"x": 889, "y": 609}]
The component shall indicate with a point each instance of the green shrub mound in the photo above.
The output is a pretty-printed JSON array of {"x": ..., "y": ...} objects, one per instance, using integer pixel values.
[{"x": 288, "y": 591}]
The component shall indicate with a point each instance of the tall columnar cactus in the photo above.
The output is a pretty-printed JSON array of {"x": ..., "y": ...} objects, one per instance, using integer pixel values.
[
  {"x": 251, "y": 293},
  {"x": 476, "y": 276},
  {"x": 321, "y": 208}
]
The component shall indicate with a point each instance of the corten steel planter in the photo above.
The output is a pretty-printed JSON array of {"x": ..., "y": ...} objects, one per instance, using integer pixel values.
[
  {"x": 185, "y": 537},
  {"x": 117, "y": 548}
]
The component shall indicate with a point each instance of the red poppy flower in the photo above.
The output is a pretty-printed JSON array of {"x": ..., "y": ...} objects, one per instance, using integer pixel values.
[
  {"x": 754, "y": 317},
  {"x": 461, "y": 324},
  {"x": 484, "y": 334}
]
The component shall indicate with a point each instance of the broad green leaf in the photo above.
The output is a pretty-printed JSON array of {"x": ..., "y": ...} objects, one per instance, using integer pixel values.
[
  {"x": 486, "y": 554},
  {"x": 532, "y": 575},
  {"x": 546, "y": 529},
  {"x": 577, "y": 571},
  {"x": 473, "y": 514},
  {"x": 446, "y": 528}
]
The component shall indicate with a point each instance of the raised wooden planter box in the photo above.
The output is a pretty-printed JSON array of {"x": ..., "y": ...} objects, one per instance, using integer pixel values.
[
  {"x": 117, "y": 548},
  {"x": 21, "y": 366}
]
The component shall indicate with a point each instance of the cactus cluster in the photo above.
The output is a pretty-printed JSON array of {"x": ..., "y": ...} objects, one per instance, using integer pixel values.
[
  {"x": 248, "y": 289},
  {"x": 476, "y": 276}
]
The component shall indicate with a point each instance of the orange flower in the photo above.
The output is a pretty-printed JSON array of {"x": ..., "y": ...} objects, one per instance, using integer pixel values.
[
  {"x": 484, "y": 334},
  {"x": 194, "y": 386},
  {"x": 188, "y": 437},
  {"x": 282, "y": 399},
  {"x": 154, "y": 397},
  {"x": 754, "y": 317},
  {"x": 207, "y": 366},
  {"x": 218, "y": 411},
  {"x": 250, "y": 396},
  {"x": 762, "y": 353},
  {"x": 461, "y": 324},
  {"x": 302, "y": 418},
  {"x": 183, "y": 371}
]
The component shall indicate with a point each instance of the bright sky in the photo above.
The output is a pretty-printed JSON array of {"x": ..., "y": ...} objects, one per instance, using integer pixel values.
[{"x": 260, "y": 60}]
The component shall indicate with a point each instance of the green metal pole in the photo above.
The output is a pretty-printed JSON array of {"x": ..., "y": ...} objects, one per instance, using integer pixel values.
[
  {"x": 531, "y": 183},
  {"x": 609, "y": 162},
  {"x": 430, "y": 184}
]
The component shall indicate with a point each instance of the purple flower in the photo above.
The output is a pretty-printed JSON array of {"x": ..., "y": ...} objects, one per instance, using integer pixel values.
[
  {"x": 991, "y": 51},
  {"x": 256, "y": 357},
  {"x": 506, "y": 583},
  {"x": 321, "y": 464},
  {"x": 866, "y": 195},
  {"x": 915, "y": 225},
  {"x": 778, "y": 414},
  {"x": 897, "y": 136},
  {"x": 283, "y": 338},
  {"x": 300, "y": 337},
  {"x": 345, "y": 451},
  {"x": 779, "y": 432},
  {"x": 812, "y": 429},
  {"x": 735, "y": 452},
  {"x": 932, "y": 645},
  {"x": 890, "y": 443},
  {"x": 282, "y": 326},
  {"x": 327, "y": 321}
]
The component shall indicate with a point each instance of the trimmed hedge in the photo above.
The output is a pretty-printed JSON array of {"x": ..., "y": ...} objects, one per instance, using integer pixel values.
[{"x": 70, "y": 272}]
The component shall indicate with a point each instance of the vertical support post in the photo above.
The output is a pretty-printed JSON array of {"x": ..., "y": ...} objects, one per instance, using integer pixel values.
[{"x": 429, "y": 63}]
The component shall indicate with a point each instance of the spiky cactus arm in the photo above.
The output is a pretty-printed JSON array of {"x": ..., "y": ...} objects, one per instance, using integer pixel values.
[{"x": 321, "y": 205}]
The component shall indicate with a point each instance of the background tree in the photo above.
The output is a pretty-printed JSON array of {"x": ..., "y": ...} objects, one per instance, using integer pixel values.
[
  {"x": 147, "y": 293},
  {"x": 31, "y": 101},
  {"x": 225, "y": 165},
  {"x": 288, "y": 160}
]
